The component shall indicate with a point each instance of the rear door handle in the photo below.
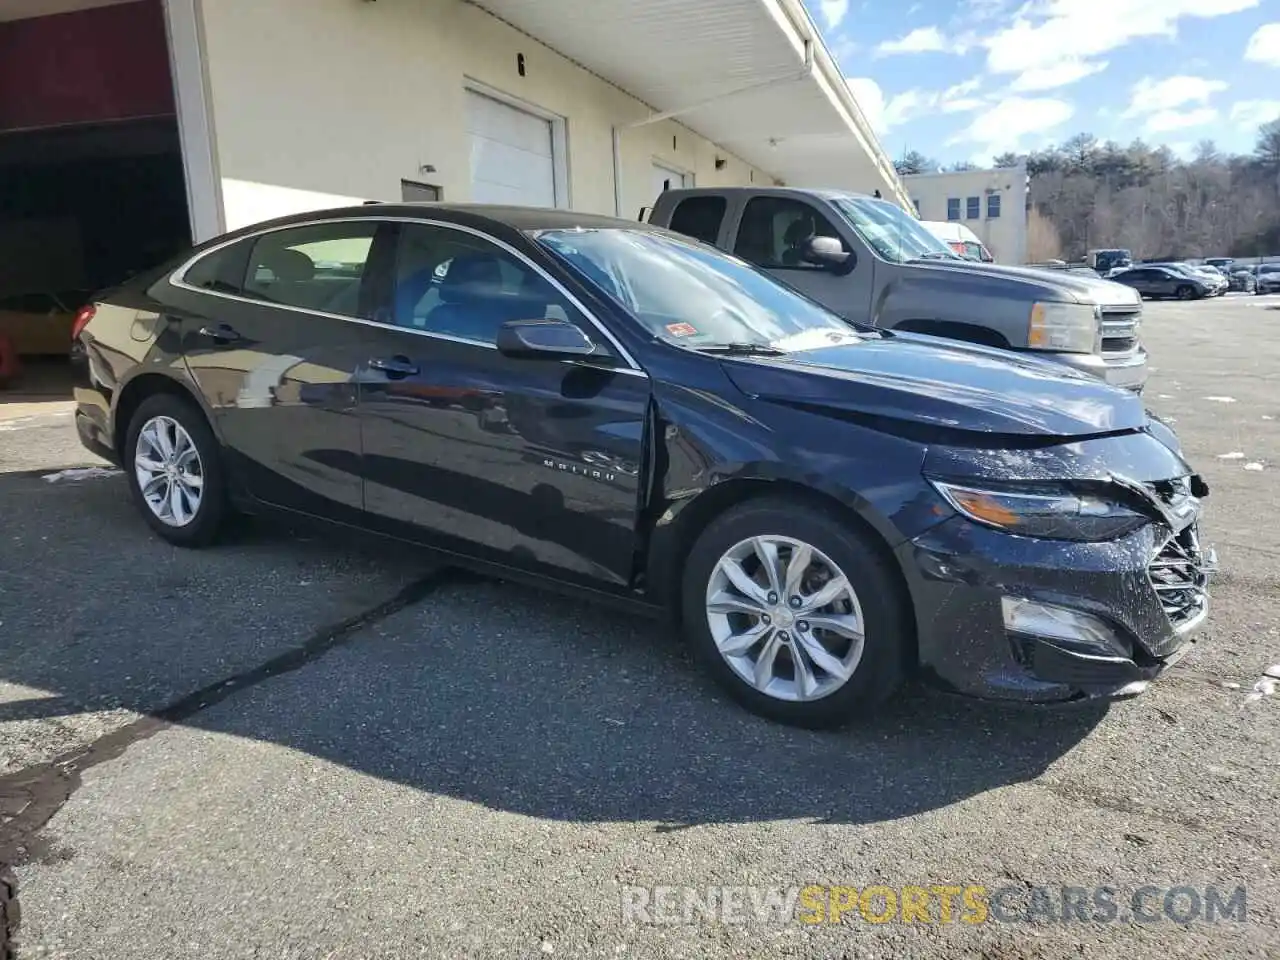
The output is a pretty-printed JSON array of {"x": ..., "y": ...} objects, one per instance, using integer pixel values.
[
  {"x": 221, "y": 333},
  {"x": 394, "y": 367}
]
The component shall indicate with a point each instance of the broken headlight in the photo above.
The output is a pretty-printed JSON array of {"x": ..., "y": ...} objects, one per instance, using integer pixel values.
[{"x": 1045, "y": 511}]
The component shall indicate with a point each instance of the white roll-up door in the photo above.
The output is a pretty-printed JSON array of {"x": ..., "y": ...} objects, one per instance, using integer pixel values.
[{"x": 512, "y": 160}]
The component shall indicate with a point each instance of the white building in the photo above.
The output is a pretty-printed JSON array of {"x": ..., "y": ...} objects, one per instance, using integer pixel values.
[
  {"x": 240, "y": 110},
  {"x": 991, "y": 203}
]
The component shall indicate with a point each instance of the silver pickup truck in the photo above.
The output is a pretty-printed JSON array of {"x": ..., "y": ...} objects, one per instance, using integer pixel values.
[{"x": 870, "y": 261}]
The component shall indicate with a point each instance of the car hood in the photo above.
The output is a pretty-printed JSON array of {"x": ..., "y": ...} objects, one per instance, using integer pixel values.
[
  {"x": 912, "y": 378},
  {"x": 1079, "y": 287}
]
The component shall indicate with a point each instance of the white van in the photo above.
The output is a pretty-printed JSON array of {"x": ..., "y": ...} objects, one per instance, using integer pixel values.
[{"x": 960, "y": 239}]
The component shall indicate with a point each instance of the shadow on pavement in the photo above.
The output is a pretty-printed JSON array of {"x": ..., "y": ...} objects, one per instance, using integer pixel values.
[{"x": 493, "y": 693}]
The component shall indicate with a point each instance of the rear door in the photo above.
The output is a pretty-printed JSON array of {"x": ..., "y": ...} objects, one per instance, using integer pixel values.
[
  {"x": 528, "y": 463},
  {"x": 771, "y": 233},
  {"x": 272, "y": 333}
]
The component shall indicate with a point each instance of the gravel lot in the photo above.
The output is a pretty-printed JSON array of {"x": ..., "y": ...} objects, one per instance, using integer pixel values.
[{"x": 298, "y": 748}]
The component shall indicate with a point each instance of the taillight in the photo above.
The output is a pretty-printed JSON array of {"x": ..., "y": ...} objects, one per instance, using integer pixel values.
[{"x": 82, "y": 318}]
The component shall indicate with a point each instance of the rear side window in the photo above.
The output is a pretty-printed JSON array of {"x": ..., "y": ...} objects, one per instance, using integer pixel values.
[
  {"x": 699, "y": 217},
  {"x": 221, "y": 271},
  {"x": 317, "y": 267}
]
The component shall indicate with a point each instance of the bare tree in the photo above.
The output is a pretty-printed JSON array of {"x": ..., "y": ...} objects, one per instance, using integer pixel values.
[{"x": 1042, "y": 238}]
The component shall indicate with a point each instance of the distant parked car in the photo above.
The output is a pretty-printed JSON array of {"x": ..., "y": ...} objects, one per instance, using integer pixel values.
[
  {"x": 1214, "y": 280},
  {"x": 1157, "y": 283},
  {"x": 1268, "y": 278},
  {"x": 1242, "y": 280},
  {"x": 1225, "y": 264}
]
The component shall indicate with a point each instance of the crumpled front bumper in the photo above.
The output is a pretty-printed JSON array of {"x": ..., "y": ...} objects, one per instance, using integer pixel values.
[{"x": 964, "y": 577}]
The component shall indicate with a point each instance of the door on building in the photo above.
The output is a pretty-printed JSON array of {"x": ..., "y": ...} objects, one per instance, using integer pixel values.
[
  {"x": 667, "y": 178},
  {"x": 512, "y": 154},
  {"x": 536, "y": 462}
]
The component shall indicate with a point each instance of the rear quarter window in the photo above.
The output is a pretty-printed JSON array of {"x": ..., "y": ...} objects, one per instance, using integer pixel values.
[{"x": 221, "y": 271}]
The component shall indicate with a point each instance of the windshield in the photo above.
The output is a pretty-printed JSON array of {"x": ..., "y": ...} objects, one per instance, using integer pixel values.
[
  {"x": 693, "y": 295},
  {"x": 891, "y": 231}
]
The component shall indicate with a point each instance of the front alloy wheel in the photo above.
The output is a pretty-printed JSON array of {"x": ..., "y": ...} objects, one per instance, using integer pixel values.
[
  {"x": 785, "y": 618},
  {"x": 797, "y": 611},
  {"x": 169, "y": 471}
]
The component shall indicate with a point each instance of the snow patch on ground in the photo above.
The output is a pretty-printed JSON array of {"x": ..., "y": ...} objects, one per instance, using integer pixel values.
[
  {"x": 1222, "y": 399},
  {"x": 82, "y": 473},
  {"x": 1255, "y": 466},
  {"x": 1233, "y": 455}
]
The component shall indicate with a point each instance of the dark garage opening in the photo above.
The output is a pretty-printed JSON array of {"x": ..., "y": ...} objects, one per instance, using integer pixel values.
[{"x": 92, "y": 188}]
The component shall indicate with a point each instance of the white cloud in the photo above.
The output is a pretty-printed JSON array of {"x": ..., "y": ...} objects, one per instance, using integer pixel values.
[
  {"x": 1057, "y": 75},
  {"x": 870, "y": 98},
  {"x": 1264, "y": 45},
  {"x": 1162, "y": 121},
  {"x": 1148, "y": 95},
  {"x": 1013, "y": 119},
  {"x": 884, "y": 112},
  {"x": 1010, "y": 122},
  {"x": 833, "y": 12},
  {"x": 1254, "y": 113},
  {"x": 1045, "y": 34},
  {"x": 963, "y": 89},
  {"x": 919, "y": 40}
]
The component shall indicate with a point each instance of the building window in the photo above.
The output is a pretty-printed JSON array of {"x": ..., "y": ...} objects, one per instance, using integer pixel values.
[
  {"x": 953, "y": 208},
  {"x": 993, "y": 206},
  {"x": 973, "y": 208}
]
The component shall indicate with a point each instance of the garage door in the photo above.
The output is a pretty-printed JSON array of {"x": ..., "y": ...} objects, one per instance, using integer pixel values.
[{"x": 511, "y": 154}]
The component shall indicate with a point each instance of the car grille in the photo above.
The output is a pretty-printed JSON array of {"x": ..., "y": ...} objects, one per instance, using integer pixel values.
[
  {"x": 1179, "y": 572},
  {"x": 1120, "y": 329}
]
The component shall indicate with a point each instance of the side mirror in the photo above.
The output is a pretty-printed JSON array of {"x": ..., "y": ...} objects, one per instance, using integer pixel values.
[
  {"x": 547, "y": 340},
  {"x": 827, "y": 252}
]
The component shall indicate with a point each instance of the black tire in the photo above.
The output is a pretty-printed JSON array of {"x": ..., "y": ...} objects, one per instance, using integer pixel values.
[
  {"x": 883, "y": 666},
  {"x": 211, "y": 516},
  {"x": 1185, "y": 292}
]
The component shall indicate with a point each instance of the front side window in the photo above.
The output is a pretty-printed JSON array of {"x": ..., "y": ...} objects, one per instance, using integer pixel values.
[
  {"x": 316, "y": 267},
  {"x": 891, "y": 231},
  {"x": 694, "y": 296},
  {"x": 774, "y": 230},
  {"x": 974, "y": 208},
  {"x": 457, "y": 284}
]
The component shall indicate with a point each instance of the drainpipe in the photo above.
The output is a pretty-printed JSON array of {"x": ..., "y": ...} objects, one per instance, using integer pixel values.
[{"x": 617, "y": 171}]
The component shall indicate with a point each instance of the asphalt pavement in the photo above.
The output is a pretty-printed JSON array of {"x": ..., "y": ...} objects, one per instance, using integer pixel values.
[{"x": 288, "y": 747}]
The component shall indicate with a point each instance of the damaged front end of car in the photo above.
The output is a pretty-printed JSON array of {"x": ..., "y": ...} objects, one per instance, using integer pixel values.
[{"x": 1082, "y": 577}]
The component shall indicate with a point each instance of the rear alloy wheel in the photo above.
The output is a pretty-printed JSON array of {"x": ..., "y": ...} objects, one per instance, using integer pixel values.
[
  {"x": 1185, "y": 292},
  {"x": 798, "y": 618},
  {"x": 174, "y": 470}
]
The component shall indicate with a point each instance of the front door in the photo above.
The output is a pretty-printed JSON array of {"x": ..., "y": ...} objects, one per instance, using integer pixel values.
[
  {"x": 269, "y": 338},
  {"x": 667, "y": 178},
  {"x": 528, "y": 463},
  {"x": 771, "y": 234}
]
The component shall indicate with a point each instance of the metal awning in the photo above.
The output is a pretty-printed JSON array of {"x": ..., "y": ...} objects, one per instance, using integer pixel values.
[{"x": 750, "y": 75}]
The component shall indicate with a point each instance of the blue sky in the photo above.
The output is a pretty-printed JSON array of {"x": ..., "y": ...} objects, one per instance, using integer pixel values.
[{"x": 966, "y": 79}]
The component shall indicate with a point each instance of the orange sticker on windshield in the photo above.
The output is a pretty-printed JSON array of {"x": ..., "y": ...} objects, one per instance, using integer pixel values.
[{"x": 681, "y": 329}]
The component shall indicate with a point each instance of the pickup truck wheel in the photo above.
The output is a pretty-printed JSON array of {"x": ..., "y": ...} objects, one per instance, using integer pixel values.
[
  {"x": 1185, "y": 292},
  {"x": 798, "y": 618}
]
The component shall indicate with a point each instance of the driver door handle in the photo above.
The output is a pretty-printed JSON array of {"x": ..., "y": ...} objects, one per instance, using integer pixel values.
[
  {"x": 220, "y": 333},
  {"x": 397, "y": 366}
]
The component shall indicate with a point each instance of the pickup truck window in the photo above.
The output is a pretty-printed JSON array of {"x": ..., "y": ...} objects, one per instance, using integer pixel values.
[
  {"x": 695, "y": 296},
  {"x": 773, "y": 230},
  {"x": 891, "y": 231},
  {"x": 699, "y": 217}
]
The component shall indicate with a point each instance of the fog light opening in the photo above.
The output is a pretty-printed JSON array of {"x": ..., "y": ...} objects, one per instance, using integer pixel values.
[{"x": 1069, "y": 628}]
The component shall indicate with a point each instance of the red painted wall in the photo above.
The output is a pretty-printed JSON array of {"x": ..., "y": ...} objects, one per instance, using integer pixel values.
[{"x": 105, "y": 63}]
